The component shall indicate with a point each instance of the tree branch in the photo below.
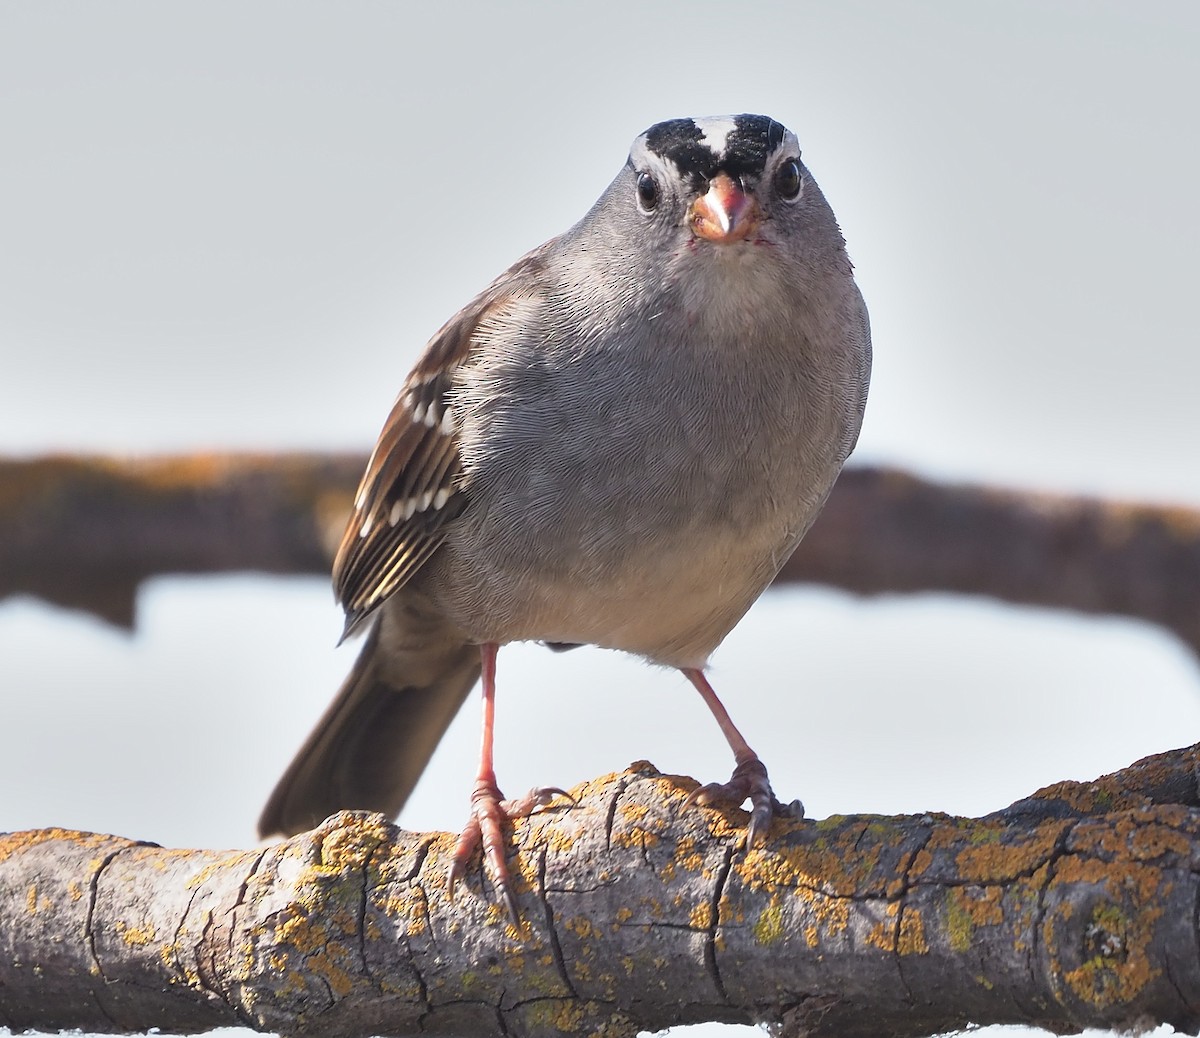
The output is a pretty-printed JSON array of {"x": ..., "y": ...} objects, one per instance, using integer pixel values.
[
  {"x": 1074, "y": 908},
  {"x": 886, "y": 530},
  {"x": 84, "y": 533}
]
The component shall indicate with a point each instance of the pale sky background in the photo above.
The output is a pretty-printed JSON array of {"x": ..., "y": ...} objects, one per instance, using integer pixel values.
[{"x": 234, "y": 224}]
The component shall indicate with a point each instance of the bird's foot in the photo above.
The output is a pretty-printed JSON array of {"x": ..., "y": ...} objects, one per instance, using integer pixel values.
[
  {"x": 749, "y": 780},
  {"x": 489, "y": 811}
]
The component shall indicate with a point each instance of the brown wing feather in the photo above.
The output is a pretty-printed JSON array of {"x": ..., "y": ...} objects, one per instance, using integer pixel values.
[{"x": 413, "y": 484}]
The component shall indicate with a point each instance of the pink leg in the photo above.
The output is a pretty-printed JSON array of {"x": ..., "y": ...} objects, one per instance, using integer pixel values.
[
  {"x": 749, "y": 777},
  {"x": 488, "y": 807}
]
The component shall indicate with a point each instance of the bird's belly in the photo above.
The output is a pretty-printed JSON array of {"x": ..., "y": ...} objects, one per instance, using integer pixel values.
[
  {"x": 636, "y": 513},
  {"x": 663, "y": 577},
  {"x": 664, "y": 608},
  {"x": 670, "y": 607}
]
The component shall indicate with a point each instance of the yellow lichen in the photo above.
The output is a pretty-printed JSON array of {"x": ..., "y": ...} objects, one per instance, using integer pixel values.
[
  {"x": 582, "y": 927},
  {"x": 960, "y": 927},
  {"x": 563, "y": 1015},
  {"x": 635, "y": 831},
  {"x": 136, "y": 936},
  {"x": 769, "y": 927},
  {"x": 206, "y": 872}
]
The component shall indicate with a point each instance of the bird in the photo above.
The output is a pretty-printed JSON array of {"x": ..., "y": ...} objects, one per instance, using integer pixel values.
[{"x": 617, "y": 443}]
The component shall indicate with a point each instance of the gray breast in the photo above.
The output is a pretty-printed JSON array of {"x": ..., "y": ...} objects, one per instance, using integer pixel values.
[{"x": 624, "y": 464}]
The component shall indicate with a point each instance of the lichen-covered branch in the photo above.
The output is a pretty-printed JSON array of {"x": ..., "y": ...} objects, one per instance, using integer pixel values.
[
  {"x": 84, "y": 533},
  {"x": 1074, "y": 908},
  {"x": 886, "y": 530}
]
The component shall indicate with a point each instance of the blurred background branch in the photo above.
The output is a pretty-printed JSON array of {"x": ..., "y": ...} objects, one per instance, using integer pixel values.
[{"x": 83, "y": 533}]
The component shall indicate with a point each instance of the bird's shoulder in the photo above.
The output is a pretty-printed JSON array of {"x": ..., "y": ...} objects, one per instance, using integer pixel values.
[{"x": 412, "y": 485}]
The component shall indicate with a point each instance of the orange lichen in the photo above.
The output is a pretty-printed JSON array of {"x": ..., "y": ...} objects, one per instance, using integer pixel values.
[
  {"x": 967, "y": 908},
  {"x": 883, "y": 933},
  {"x": 1120, "y": 968},
  {"x": 1117, "y": 933},
  {"x": 1151, "y": 842},
  {"x": 992, "y": 854},
  {"x": 1091, "y": 797},
  {"x": 1143, "y": 838},
  {"x": 1141, "y": 882},
  {"x": 836, "y": 867},
  {"x": 17, "y": 843},
  {"x": 922, "y": 862},
  {"x": 326, "y": 963},
  {"x": 911, "y": 939},
  {"x": 633, "y": 813}
]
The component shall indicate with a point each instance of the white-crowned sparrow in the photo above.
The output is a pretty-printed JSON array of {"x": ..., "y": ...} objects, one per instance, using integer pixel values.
[{"x": 619, "y": 442}]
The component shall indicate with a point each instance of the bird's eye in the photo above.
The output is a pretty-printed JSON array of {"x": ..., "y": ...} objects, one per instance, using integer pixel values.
[
  {"x": 647, "y": 193},
  {"x": 788, "y": 180}
]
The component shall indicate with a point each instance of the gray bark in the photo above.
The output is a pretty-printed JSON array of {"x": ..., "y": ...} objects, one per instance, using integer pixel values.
[{"x": 1074, "y": 908}]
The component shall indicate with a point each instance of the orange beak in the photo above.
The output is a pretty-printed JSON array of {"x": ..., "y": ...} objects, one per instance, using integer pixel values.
[{"x": 724, "y": 213}]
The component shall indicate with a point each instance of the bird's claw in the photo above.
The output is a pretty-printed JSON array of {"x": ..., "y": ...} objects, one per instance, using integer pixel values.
[
  {"x": 489, "y": 811},
  {"x": 748, "y": 781}
]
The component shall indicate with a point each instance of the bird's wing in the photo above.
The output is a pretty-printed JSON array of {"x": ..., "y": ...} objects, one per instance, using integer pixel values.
[{"x": 414, "y": 484}]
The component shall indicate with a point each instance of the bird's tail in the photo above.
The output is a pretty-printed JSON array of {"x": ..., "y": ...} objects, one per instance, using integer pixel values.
[{"x": 373, "y": 742}]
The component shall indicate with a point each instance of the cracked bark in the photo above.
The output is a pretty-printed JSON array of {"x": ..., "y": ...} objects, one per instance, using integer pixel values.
[
  {"x": 84, "y": 533},
  {"x": 1075, "y": 907}
]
